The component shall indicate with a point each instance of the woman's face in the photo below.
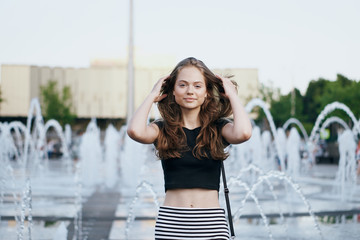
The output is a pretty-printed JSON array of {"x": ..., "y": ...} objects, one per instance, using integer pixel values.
[{"x": 190, "y": 88}]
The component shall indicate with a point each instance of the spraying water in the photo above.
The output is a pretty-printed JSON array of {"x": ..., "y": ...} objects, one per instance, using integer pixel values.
[
  {"x": 58, "y": 129},
  {"x": 327, "y": 110},
  {"x": 334, "y": 119},
  {"x": 258, "y": 102},
  {"x": 346, "y": 174},
  {"x": 131, "y": 216},
  {"x": 91, "y": 155},
  {"x": 111, "y": 142},
  {"x": 299, "y": 124},
  {"x": 296, "y": 187},
  {"x": 249, "y": 177},
  {"x": 293, "y": 153}
]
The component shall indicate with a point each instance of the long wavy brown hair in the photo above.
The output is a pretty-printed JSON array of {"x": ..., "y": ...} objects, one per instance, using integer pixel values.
[{"x": 171, "y": 141}]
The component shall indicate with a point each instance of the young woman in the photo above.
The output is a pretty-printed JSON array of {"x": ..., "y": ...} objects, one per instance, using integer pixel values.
[{"x": 190, "y": 141}]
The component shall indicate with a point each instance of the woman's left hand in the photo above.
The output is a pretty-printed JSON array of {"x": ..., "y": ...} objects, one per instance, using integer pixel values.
[{"x": 229, "y": 87}]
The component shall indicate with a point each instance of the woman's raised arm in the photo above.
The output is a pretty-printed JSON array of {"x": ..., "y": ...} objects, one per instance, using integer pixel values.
[
  {"x": 240, "y": 130},
  {"x": 137, "y": 128}
]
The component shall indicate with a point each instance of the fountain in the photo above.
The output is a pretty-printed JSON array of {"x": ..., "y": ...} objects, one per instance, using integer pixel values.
[
  {"x": 91, "y": 155},
  {"x": 293, "y": 153},
  {"x": 111, "y": 143},
  {"x": 334, "y": 119},
  {"x": 346, "y": 174},
  {"x": 299, "y": 124},
  {"x": 64, "y": 141},
  {"x": 258, "y": 102},
  {"x": 330, "y": 108},
  {"x": 131, "y": 215},
  {"x": 273, "y": 196}
]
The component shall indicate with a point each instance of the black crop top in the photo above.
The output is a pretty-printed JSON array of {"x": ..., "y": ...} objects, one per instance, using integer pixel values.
[{"x": 188, "y": 171}]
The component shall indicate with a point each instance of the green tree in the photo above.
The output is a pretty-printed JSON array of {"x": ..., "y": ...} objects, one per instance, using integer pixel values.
[
  {"x": 318, "y": 94},
  {"x": 312, "y": 99},
  {"x": 322, "y": 92},
  {"x": 268, "y": 94},
  {"x": 57, "y": 105},
  {"x": 281, "y": 109},
  {"x": 345, "y": 91}
]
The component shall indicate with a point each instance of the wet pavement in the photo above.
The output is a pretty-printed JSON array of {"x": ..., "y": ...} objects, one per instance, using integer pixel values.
[{"x": 105, "y": 211}]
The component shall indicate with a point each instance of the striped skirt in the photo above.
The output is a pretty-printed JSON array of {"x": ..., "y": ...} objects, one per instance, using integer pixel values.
[{"x": 191, "y": 223}]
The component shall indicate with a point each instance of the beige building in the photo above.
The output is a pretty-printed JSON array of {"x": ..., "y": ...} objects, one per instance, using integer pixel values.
[{"x": 98, "y": 91}]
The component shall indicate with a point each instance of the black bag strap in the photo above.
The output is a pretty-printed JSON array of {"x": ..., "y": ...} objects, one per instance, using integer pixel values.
[{"x": 226, "y": 191}]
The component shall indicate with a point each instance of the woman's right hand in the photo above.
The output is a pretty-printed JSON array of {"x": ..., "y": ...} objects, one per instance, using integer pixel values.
[
  {"x": 138, "y": 127},
  {"x": 156, "y": 91}
]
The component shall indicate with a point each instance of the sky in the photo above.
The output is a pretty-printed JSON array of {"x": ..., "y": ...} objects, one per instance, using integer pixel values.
[{"x": 290, "y": 42}]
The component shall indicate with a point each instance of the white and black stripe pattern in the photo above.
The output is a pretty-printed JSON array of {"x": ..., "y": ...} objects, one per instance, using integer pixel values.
[{"x": 191, "y": 223}]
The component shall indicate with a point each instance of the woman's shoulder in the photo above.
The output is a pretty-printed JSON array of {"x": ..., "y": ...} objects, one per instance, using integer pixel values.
[
  {"x": 221, "y": 122},
  {"x": 159, "y": 122}
]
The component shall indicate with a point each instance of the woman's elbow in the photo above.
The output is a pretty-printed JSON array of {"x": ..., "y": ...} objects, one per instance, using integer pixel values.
[
  {"x": 247, "y": 135},
  {"x": 139, "y": 135},
  {"x": 243, "y": 136},
  {"x": 131, "y": 133}
]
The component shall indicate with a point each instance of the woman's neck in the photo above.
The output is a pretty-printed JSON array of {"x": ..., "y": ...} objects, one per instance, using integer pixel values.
[{"x": 191, "y": 119}]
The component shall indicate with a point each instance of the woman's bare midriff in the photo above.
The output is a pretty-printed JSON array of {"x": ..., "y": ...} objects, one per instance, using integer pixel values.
[{"x": 192, "y": 198}]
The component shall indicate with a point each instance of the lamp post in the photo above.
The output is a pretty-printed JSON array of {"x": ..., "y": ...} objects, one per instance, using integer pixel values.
[{"x": 130, "y": 92}]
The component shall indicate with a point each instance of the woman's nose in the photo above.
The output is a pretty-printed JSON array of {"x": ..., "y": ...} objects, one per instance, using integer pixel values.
[{"x": 190, "y": 90}]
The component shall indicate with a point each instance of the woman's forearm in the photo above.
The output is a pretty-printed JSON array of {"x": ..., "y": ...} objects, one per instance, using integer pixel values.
[
  {"x": 138, "y": 123},
  {"x": 241, "y": 128},
  {"x": 137, "y": 128}
]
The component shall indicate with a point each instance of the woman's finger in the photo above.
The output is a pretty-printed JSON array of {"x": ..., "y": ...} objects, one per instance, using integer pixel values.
[
  {"x": 160, "y": 83},
  {"x": 161, "y": 97}
]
